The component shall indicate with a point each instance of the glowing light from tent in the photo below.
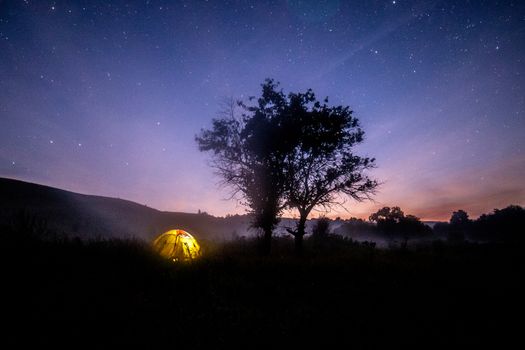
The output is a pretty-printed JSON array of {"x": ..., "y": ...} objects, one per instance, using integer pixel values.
[{"x": 177, "y": 245}]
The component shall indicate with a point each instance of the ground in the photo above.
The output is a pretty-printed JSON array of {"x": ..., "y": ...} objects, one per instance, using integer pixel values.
[{"x": 119, "y": 292}]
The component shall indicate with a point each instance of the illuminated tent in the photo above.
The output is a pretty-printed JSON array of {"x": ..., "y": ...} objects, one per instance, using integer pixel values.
[{"x": 177, "y": 245}]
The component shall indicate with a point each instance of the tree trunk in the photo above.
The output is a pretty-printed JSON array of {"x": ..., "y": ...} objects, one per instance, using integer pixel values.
[
  {"x": 266, "y": 245},
  {"x": 299, "y": 234}
]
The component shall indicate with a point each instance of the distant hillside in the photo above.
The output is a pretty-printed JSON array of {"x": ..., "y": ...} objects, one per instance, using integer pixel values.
[{"x": 89, "y": 216}]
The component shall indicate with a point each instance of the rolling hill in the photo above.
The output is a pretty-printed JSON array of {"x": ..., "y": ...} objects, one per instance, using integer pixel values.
[
  {"x": 86, "y": 216},
  {"x": 62, "y": 212}
]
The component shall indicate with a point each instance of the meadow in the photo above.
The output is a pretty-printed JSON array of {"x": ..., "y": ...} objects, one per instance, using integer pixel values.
[{"x": 119, "y": 292}]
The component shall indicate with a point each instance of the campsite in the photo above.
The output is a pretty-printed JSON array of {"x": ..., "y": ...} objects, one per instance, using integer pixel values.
[{"x": 262, "y": 174}]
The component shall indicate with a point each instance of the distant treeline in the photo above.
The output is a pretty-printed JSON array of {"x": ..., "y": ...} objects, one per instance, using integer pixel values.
[{"x": 502, "y": 225}]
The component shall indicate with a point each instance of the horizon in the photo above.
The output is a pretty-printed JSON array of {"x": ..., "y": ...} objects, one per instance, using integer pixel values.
[
  {"x": 199, "y": 211},
  {"x": 105, "y": 98}
]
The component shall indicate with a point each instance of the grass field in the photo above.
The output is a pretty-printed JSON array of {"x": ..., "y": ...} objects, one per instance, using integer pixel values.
[{"x": 339, "y": 293}]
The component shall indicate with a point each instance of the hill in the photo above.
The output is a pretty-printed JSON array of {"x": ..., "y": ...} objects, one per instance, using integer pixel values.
[
  {"x": 53, "y": 210},
  {"x": 87, "y": 216}
]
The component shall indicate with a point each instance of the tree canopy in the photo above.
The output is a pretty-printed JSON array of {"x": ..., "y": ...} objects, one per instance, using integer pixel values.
[{"x": 317, "y": 146}]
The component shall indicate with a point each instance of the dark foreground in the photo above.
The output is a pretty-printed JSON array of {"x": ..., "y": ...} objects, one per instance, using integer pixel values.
[{"x": 116, "y": 292}]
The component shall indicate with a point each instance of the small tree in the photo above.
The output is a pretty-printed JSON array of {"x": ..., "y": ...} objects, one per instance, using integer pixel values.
[
  {"x": 321, "y": 228},
  {"x": 357, "y": 229},
  {"x": 459, "y": 218},
  {"x": 459, "y": 226},
  {"x": 387, "y": 219},
  {"x": 393, "y": 223}
]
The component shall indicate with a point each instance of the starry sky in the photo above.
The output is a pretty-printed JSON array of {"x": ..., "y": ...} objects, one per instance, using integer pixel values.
[{"x": 105, "y": 97}]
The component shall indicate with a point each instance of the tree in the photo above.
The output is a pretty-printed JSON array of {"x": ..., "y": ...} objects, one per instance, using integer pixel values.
[
  {"x": 502, "y": 225},
  {"x": 289, "y": 151},
  {"x": 245, "y": 157},
  {"x": 321, "y": 228},
  {"x": 459, "y": 226},
  {"x": 459, "y": 218},
  {"x": 411, "y": 227},
  {"x": 394, "y": 224},
  {"x": 387, "y": 219},
  {"x": 316, "y": 143},
  {"x": 357, "y": 229}
]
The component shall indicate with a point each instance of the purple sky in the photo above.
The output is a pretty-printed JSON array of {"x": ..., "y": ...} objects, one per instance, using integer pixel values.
[{"x": 105, "y": 97}]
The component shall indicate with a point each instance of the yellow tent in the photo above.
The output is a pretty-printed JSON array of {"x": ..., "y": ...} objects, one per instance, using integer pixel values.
[{"x": 177, "y": 245}]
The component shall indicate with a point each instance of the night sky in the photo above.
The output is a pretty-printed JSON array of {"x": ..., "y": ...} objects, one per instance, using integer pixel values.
[{"x": 105, "y": 97}]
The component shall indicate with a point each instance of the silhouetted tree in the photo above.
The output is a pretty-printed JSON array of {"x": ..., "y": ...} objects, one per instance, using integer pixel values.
[
  {"x": 394, "y": 224},
  {"x": 459, "y": 217},
  {"x": 459, "y": 227},
  {"x": 503, "y": 225},
  {"x": 317, "y": 142},
  {"x": 357, "y": 229},
  {"x": 245, "y": 156},
  {"x": 387, "y": 219},
  {"x": 321, "y": 228},
  {"x": 411, "y": 227}
]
